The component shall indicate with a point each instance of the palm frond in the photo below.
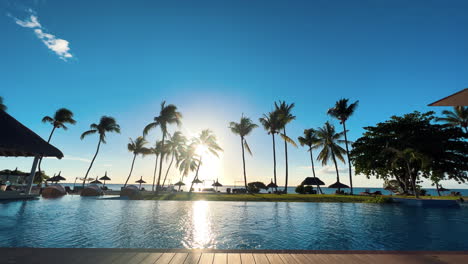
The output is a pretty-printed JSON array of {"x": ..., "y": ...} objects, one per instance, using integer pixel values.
[
  {"x": 47, "y": 119},
  {"x": 288, "y": 139},
  {"x": 247, "y": 147},
  {"x": 87, "y": 133}
]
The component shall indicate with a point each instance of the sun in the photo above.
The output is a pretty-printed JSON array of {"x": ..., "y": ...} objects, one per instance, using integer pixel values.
[
  {"x": 201, "y": 150},
  {"x": 211, "y": 166}
]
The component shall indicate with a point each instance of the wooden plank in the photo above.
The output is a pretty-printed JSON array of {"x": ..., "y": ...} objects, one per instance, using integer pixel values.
[
  {"x": 151, "y": 258},
  {"x": 233, "y": 258},
  {"x": 274, "y": 259},
  {"x": 301, "y": 259},
  {"x": 179, "y": 258},
  {"x": 124, "y": 258},
  {"x": 220, "y": 258},
  {"x": 260, "y": 258},
  {"x": 287, "y": 258},
  {"x": 247, "y": 258},
  {"x": 192, "y": 258},
  {"x": 165, "y": 258},
  {"x": 206, "y": 258},
  {"x": 139, "y": 257}
]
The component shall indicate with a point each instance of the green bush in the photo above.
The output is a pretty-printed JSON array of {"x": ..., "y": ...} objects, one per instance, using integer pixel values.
[
  {"x": 255, "y": 187},
  {"x": 300, "y": 189}
]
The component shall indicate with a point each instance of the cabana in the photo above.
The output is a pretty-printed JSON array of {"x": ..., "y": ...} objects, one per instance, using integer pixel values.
[
  {"x": 217, "y": 184},
  {"x": 313, "y": 181},
  {"x": 16, "y": 140}
]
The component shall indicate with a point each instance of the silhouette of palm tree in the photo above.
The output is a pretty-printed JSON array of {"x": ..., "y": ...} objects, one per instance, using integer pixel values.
[
  {"x": 173, "y": 147},
  {"x": 272, "y": 125},
  {"x": 342, "y": 111},
  {"x": 106, "y": 124},
  {"x": 310, "y": 139},
  {"x": 137, "y": 147},
  {"x": 457, "y": 117},
  {"x": 243, "y": 129}
]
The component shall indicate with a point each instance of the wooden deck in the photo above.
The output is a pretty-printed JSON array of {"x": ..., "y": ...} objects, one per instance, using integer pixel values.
[{"x": 147, "y": 256}]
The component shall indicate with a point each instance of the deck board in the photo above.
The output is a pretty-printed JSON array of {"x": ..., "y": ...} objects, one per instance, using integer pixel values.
[
  {"x": 165, "y": 258},
  {"x": 260, "y": 259},
  {"x": 274, "y": 259},
  {"x": 192, "y": 258},
  {"x": 247, "y": 258},
  {"x": 220, "y": 258},
  {"x": 206, "y": 258},
  {"x": 179, "y": 258},
  {"x": 151, "y": 258}
]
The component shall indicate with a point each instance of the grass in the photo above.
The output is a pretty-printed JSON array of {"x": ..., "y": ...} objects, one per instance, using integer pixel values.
[{"x": 314, "y": 198}]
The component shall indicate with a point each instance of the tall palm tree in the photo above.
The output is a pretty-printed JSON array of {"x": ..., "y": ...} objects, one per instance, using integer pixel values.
[
  {"x": 156, "y": 150},
  {"x": 167, "y": 115},
  {"x": 284, "y": 112},
  {"x": 61, "y": 117},
  {"x": 342, "y": 111},
  {"x": 243, "y": 129},
  {"x": 457, "y": 117},
  {"x": 208, "y": 140},
  {"x": 106, "y": 124},
  {"x": 310, "y": 139},
  {"x": 137, "y": 147},
  {"x": 328, "y": 141},
  {"x": 3, "y": 107},
  {"x": 187, "y": 160},
  {"x": 173, "y": 147},
  {"x": 272, "y": 125}
]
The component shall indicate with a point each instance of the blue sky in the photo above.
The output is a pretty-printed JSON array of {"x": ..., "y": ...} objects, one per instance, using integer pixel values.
[{"x": 216, "y": 60}]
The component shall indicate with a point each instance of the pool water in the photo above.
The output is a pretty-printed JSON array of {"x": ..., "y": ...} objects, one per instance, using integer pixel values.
[{"x": 78, "y": 222}]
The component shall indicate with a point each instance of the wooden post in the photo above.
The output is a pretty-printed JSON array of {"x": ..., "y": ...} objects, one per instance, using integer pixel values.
[{"x": 31, "y": 176}]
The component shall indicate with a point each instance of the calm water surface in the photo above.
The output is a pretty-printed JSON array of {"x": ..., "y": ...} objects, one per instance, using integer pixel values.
[{"x": 73, "y": 221}]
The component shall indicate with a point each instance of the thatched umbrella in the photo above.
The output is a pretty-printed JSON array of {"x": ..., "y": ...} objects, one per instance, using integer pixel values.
[
  {"x": 140, "y": 181},
  {"x": 105, "y": 178},
  {"x": 96, "y": 181},
  {"x": 180, "y": 184},
  {"x": 197, "y": 181},
  {"x": 272, "y": 185},
  {"x": 59, "y": 178},
  {"x": 338, "y": 185},
  {"x": 51, "y": 179},
  {"x": 18, "y": 140},
  {"x": 217, "y": 184},
  {"x": 313, "y": 181}
]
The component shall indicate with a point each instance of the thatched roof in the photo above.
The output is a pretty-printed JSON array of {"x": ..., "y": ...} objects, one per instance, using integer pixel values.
[
  {"x": 179, "y": 183},
  {"x": 312, "y": 181},
  {"x": 197, "y": 181},
  {"x": 18, "y": 140},
  {"x": 457, "y": 99},
  {"x": 141, "y": 180},
  {"x": 105, "y": 178},
  {"x": 338, "y": 185},
  {"x": 96, "y": 182},
  {"x": 272, "y": 185},
  {"x": 216, "y": 184}
]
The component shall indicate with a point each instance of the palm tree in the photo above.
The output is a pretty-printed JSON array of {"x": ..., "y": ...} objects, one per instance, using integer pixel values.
[
  {"x": 106, "y": 124},
  {"x": 272, "y": 125},
  {"x": 310, "y": 140},
  {"x": 168, "y": 115},
  {"x": 156, "y": 150},
  {"x": 457, "y": 117},
  {"x": 285, "y": 116},
  {"x": 208, "y": 140},
  {"x": 3, "y": 107},
  {"x": 137, "y": 147},
  {"x": 61, "y": 117},
  {"x": 342, "y": 111},
  {"x": 173, "y": 147},
  {"x": 243, "y": 129},
  {"x": 329, "y": 141},
  {"x": 187, "y": 160}
]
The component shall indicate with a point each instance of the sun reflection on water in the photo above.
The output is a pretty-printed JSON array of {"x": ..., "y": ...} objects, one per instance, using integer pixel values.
[{"x": 201, "y": 225}]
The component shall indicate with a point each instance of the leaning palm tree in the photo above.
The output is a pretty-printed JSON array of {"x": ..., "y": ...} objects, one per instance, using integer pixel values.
[
  {"x": 168, "y": 115},
  {"x": 310, "y": 139},
  {"x": 137, "y": 147},
  {"x": 208, "y": 140},
  {"x": 328, "y": 141},
  {"x": 3, "y": 107},
  {"x": 61, "y": 117},
  {"x": 285, "y": 116},
  {"x": 342, "y": 111},
  {"x": 272, "y": 125},
  {"x": 156, "y": 150},
  {"x": 187, "y": 160},
  {"x": 243, "y": 129},
  {"x": 106, "y": 124},
  {"x": 173, "y": 148},
  {"x": 457, "y": 117}
]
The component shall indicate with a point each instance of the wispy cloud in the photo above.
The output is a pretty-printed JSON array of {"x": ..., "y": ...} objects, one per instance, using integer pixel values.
[
  {"x": 326, "y": 169},
  {"x": 57, "y": 45},
  {"x": 68, "y": 157}
]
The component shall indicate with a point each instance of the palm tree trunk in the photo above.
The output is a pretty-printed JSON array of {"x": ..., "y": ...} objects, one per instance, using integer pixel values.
[
  {"x": 437, "y": 186},
  {"x": 160, "y": 162},
  {"x": 155, "y": 170},
  {"x": 92, "y": 161},
  {"x": 413, "y": 180},
  {"x": 196, "y": 174},
  {"x": 347, "y": 154},
  {"x": 48, "y": 141},
  {"x": 131, "y": 169},
  {"x": 274, "y": 160},
  {"x": 286, "y": 159},
  {"x": 168, "y": 168},
  {"x": 243, "y": 163},
  {"x": 313, "y": 168},
  {"x": 336, "y": 168}
]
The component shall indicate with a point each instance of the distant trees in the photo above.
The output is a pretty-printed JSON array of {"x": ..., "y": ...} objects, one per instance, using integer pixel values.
[
  {"x": 137, "y": 147},
  {"x": 271, "y": 123},
  {"x": 410, "y": 147},
  {"x": 3, "y": 107},
  {"x": 310, "y": 140}
]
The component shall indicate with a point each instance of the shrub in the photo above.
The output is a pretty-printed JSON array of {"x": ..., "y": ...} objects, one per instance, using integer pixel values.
[
  {"x": 255, "y": 187},
  {"x": 300, "y": 189}
]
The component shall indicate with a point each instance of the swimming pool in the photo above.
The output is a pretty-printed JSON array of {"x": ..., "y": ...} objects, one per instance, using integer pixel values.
[{"x": 78, "y": 222}]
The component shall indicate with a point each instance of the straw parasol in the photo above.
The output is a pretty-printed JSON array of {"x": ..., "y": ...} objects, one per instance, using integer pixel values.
[
  {"x": 312, "y": 181},
  {"x": 217, "y": 184},
  {"x": 272, "y": 184},
  {"x": 59, "y": 178},
  {"x": 96, "y": 181},
  {"x": 140, "y": 181},
  {"x": 197, "y": 181},
  {"x": 105, "y": 178},
  {"x": 51, "y": 179},
  {"x": 338, "y": 185},
  {"x": 180, "y": 184}
]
